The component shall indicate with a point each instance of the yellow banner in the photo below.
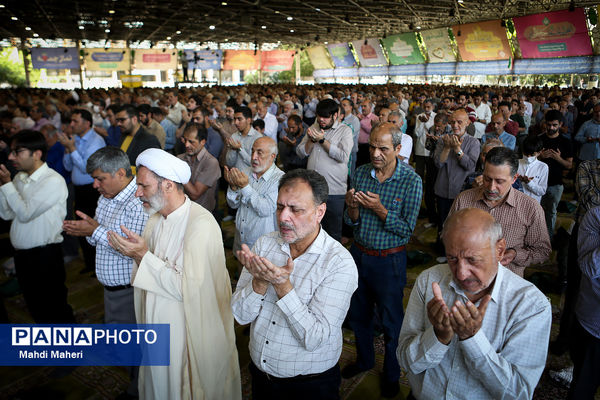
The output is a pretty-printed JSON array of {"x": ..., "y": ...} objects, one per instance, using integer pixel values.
[
  {"x": 482, "y": 41},
  {"x": 319, "y": 57},
  {"x": 106, "y": 59}
]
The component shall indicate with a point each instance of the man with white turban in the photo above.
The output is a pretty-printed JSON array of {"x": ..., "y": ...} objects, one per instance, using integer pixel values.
[{"x": 180, "y": 279}]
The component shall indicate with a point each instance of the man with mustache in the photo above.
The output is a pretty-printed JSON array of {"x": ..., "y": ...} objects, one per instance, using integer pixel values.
[
  {"x": 295, "y": 290},
  {"x": 473, "y": 329},
  {"x": 254, "y": 193},
  {"x": 180, "y": 278},
  {"x": 383, "y": 206},
  {"x": 521, "y": 217}
]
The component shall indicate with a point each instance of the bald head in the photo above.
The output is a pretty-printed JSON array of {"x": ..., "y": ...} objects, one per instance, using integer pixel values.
[
  {"x": 473, "y": 220},
  {"x": 459, "y": 121}
]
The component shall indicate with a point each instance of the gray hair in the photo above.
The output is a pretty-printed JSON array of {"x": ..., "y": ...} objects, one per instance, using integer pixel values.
[
  {"x": 316, "y": 181},
  {"x": 493, "y": 230},
  {"x": 109, "y": 159},
  {"x": 396, "y": 135}
]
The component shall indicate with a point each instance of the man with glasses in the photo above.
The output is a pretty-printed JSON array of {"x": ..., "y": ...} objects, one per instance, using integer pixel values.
[{"x": 134, "y": 138}]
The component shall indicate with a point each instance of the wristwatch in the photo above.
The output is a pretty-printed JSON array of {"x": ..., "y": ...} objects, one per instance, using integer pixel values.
[
  {"x": 460, "y": 153},
  {"x": 322, "y": 141}
]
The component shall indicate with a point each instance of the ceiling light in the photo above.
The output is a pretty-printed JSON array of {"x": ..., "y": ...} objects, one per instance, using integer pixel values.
[
  {"x": 223, "y": 3},
  {"x": 1, "y": 5},
  {"x": 212, "y": 27},
  {"x": 227, "y": 40},
  {"x": 317, "y": 9},
  {"x": 81, "y": 27},
  {"x": 326, "y": 42},
  {"x": 276, "y": 12},
  {"x": 27, "y": 28},
  {"x": 111, "y": 11},
  {"x": 107, "y": 30},
  {"x": 460, "y": 1},
  {"x": 290, "y": 18},
  {"x": 291, "y": 31},
  {"x": 168, "y": 37},
  {"x": 14, "y": 18},
  {"x": 418, "y": 27},
  {"x": 178, "y": 32},
  {"x": 35, "y": 35},
  {"x": 264, "y": 27}
]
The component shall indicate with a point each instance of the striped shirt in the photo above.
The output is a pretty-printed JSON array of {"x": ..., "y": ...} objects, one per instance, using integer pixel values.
[
  {"x": 503, "y": 360},
  {"x": 113, "y": 268},
  {"x": 588, "y": 303},
  {"x": 301, "y": 333},
  {"x": 400, "y": 195},
  {"x": 588, "y": 187},
  {"x": 523, "y": 225}
]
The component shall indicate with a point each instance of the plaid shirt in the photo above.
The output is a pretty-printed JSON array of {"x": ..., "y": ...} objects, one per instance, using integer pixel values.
[
  {"x": 400, "y": 195},
  {"x": 112, "y": 268},
  {"x": 588, "y": 187}
]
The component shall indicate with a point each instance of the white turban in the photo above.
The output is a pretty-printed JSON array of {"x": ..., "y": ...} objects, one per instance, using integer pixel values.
[{"x": 165, "y": 165}]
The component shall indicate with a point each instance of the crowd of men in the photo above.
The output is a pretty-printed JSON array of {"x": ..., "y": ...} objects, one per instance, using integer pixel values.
[{"x": 325, "y": 184}]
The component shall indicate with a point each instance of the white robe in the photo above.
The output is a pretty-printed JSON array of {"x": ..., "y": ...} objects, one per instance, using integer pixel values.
[{"x": 203, "y": 357}]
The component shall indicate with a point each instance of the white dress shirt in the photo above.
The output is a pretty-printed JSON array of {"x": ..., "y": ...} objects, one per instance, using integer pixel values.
[
  {"x": 483, "y": 112},
  {"x": 301, "y": 333},
  {"x": 406, "y": 149},
  {"x": 536, "y": 188},
  {"x": 503, "y": 360},
  {"x": 421, "y": 130},
  {"x": 271, "y": 125},
  {"x": 256, "y": 204},
  {"x": 37, "y": 204}
]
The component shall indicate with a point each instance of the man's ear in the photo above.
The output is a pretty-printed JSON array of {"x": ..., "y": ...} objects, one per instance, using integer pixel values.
[
  {"x": 321, "y": 208},
  {"x": 500, "y": 248}
]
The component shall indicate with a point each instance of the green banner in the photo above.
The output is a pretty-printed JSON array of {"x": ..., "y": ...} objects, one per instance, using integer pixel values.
[{"x": 403, "y": 49}]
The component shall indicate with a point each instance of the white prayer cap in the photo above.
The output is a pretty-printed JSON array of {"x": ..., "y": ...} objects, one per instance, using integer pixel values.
[{"x": 164, "y": 165}]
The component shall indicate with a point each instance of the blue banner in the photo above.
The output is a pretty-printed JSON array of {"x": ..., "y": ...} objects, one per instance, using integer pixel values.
[
  {"x": 341, "y": 55},
  {"x": 566, "y": 65},
  {"x": 372, "y": 71},
  {"x": 411, "y": 69},
  {"x": 55, "y": 58},
  {"x": 345, "y": 72},
  {"x": 492, "y": 67},
  {"x": 204, "y": 59},
  {"x": 84, "y": 344},
  {"x": 323, "y": 73}
]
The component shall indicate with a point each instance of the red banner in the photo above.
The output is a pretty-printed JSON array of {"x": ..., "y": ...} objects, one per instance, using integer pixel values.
[
  {"x": 553, "y": 34},
  {"x": 277, "y": 60}
]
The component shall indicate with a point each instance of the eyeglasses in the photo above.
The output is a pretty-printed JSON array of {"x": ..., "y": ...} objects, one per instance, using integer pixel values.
[
  {"x": 121, "y": 119},
  {"x": 17, "y": 151}
]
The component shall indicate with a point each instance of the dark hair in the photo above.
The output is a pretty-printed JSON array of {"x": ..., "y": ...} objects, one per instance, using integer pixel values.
[
  {"x": 114, "y": 108},
  {"x": 244, "y": 110},
  {"x": 327, "y": 108},
  {"x": 85, "y": 114},
  {"x": 130, "y": 110},
  {"x": 30, "y": 140},
  {"x": 71, "y": 102},
  {"x": 109, "y": 159},
  {"x": 477, "y": 94},
  {"x": 316, "y": 181},
  {"x": 144, "y": 109},
  {"x": 196, "y": 98},
  {"x": 156, "y": 111},
  {"x": 202, "y": 109},
  {"x": 504, "y": 103},
  {"x": 499, "y": 156},
  {"x": 201, "y": 133},
  {"x": 553, "y": 115},
  {"x": 532, "y": 144},
  {"x": 349, "y": 101},
  {"x": 295, "y": 118},
  {"x": 258, "y": 123}
]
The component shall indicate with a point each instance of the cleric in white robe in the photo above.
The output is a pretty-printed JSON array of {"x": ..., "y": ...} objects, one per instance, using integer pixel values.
[{"x": 180, "y": 278}]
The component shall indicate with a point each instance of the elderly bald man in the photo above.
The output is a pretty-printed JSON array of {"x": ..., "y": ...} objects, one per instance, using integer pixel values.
[
  {"x": 473, "y": 329},
  {"x": 180, "y": 278}
]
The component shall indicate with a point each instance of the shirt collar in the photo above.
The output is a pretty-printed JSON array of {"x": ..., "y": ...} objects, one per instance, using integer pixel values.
[
  {"x": 39, "y": 173},
  {"x": 87, "y": 135},
  {"x": 124, "y": 194},
  {"x": 267, "y": 175},
  {"x": 510, "y": 197},
  {"x": 316, "y": 247},
  {"x": 495, "y": 295},
  {"x": 396, "y": 175}
]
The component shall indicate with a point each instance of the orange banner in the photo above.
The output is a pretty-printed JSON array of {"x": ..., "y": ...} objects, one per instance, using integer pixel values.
[
  {"x": 241, "y": 59},
  {"x": 277, "y": 60},
  {"x": 482, "y": 41}
]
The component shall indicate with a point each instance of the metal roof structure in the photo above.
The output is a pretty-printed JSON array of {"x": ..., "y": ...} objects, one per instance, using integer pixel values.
[{"x": 294, "y": 22}]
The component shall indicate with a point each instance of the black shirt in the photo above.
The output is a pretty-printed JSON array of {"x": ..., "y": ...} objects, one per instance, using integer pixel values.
[{"x": 555, "y": 169}]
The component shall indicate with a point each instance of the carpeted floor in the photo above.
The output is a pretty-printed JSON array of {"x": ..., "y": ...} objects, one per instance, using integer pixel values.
[{"x": 85, "y": 295}]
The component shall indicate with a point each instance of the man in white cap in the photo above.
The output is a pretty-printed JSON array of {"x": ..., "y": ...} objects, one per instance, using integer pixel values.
[{"x": 179, "y": 277}]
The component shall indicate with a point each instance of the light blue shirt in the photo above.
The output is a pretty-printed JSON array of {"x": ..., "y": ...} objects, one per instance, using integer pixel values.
[
  {"x": 506, "y": 138},
  {"x": 170, "y": 130},
  {"x": 76, "y": 161},
  {"x": 589, "y": 150}
]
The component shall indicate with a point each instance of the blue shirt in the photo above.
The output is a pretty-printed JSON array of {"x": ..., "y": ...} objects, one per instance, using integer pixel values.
[
  {"x": 214, "y": 143},
  {"x": 54, "y": 159},
  {"x": 588, "y": 150},
  {"x": 400, "y": 195},
  {"x": 588, "y": 245},
  {"x": 170, "y": 130},
  {"x": 114, "y": 136},
  {"x": 506, "y": 138},
  {"x": 76, "y": 161}
]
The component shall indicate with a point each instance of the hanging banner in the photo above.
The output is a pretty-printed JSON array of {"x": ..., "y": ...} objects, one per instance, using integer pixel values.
[
  {"x": 482, "y": 41},
  {"x": 55, "y": 58},
  {"x": 162, "y": 59},
  {"x": 438, "y": 46},
  {"x": 241, "y": 59},
  {"x": 341, "y": 55},
  {"x": 369, "y": 52},
  {"x": 319, "y": 58},
  {"x": 277, "y": 60},
  {"x": 203, "y": 59},
  {"x": 403, "y": 49},
  {"x": 106, "y": 59},
  {"x": 553, "y": 34}
]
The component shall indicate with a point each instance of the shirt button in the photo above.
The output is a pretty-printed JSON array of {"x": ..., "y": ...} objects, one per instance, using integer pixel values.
[
  {"x": 264, "y": 361},
  {"x": 273, "y": 322},
  {"x": 267, "y": 342}
]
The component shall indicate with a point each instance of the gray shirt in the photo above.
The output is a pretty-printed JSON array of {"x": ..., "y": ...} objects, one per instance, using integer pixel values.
[
  {"x": 354, "y": 122},
  {"x": 452, "y": 172}
]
